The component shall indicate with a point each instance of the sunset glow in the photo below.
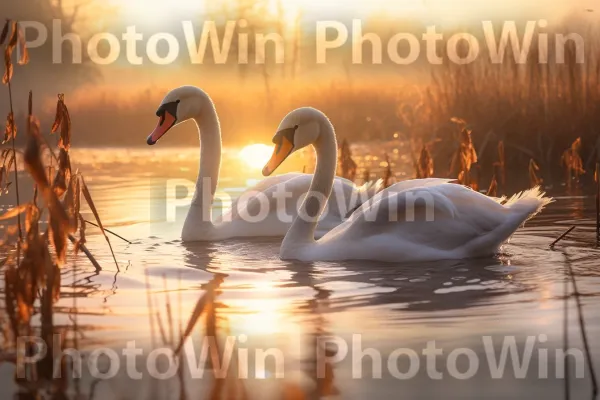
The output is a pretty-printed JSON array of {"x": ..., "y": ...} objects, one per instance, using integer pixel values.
[{"x": 256, "y": 155}]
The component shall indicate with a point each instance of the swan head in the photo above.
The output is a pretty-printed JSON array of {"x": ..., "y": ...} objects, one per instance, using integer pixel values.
[
  {"x": 300, "y": 128},
  {"x": 178, "y": 106}
]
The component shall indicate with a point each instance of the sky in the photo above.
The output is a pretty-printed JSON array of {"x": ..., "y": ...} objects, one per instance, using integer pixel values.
[
  {"x": 159, "y": 15},
  {"x": 151, "y": 16}
]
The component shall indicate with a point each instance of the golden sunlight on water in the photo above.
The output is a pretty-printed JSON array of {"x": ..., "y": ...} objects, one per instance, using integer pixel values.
[
  {"x": 269, "y": 303},
  {"x": 256, "y": 155}
]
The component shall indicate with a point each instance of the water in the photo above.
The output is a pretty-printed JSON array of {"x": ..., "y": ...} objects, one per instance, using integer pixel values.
[{"x": 520, "y": 294}]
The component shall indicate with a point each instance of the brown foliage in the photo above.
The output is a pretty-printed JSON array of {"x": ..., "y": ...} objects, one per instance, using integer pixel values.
[
  {"x": 10, "y": 46},
  {"x": 10, "y": 130},
  {"x": 424, "y": 164},
  {"x": 62, "y": 120},
  {"x": 63, "y": 175},
  {"x": 572, "y": 162},
  {"x": 464, "y": 157},
  {"x": 60, "y": 224},
  {"x": 24, "y": 53}
]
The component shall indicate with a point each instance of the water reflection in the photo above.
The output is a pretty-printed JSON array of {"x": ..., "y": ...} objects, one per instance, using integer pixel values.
[{"x": 272, "y": 301}]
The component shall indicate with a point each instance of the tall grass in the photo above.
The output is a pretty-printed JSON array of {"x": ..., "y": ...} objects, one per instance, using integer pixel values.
[{"x": 537, "y": 110}]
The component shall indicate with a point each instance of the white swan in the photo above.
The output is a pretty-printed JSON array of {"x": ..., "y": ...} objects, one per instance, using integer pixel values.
[
  {"x": 258, "y": 212},
  {"x": 416, "y": 220}
]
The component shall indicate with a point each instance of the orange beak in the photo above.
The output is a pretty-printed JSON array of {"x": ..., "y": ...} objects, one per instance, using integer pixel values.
[
  {"x": 165, "y": 123},
  {"x": 282, "y": 150}
]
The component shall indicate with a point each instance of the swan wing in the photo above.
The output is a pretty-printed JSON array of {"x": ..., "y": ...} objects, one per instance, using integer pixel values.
[
  {"x": 416, "y": 183},
  {"x": 440, "y": 216}
]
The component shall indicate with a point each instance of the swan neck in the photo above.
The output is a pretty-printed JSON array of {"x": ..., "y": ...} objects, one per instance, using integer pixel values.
[
  {"x": 305, "y": 224},
  {"x": 210, "y": 157}
]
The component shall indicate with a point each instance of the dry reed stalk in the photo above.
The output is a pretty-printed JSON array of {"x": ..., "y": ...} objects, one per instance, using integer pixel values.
[
  {"x": 4, "y": 33},
  {"x": 493, "y": 189},
  {"x": 582, "y": 327},
  {"x": 424, "y": 164},
  {"x": 64, "y": 180},
  {"x": 347, "y": 166},
  {"x": 81, "y": 246},
  {"x": 150, "y": 310},
  {"x": 60, "y": 224},
  {"x": 109, "y": 231},
  {"x": 205, "y": 301},
  {"x": 597, "y": 179},
  {"x": 572, "y": 162},
  {"x": 90, "y": 202},
  {"x": 36, "y": 278},
  {"x": 180, "y": 371},
  {"x": 501, "y": 164},
  {"x": 11, "y": 129},
  {"x": 465, "y": 156},
  {"x": 169, "y": 312},
  {"x": 562, "y": 236},
  {"x": 534, "y": 180},
  {"x": 566, "y": 332},
  {"x": 387, "y": 173}
]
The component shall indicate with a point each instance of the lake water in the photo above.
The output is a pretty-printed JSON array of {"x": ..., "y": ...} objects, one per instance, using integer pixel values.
[{"x": 391, "y": 312}]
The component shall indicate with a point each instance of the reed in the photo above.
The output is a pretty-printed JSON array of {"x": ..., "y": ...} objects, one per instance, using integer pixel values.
[
  {"x": 597, "y": 179},
  {"x": 572, "y": 162},
  {"x": 424, "y": 164},
  {"x": 562, "y": 236},
  {"x": 346, "y": 165},
  {"x": 388, "y": 175},
  {"x": 536, "y": 109},
  {"x": 465, "y": 157},
  {"x": 570, "y": 276},
  {"x": 32, "y": 279},
  {"x": 14, "y": 38},
  {"x": 493, "y": 188},
  {"x": 534, "y": 169}
]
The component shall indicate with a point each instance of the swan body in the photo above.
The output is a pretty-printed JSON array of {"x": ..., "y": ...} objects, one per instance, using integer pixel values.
[
  {"x": 258, "y": 212},
  {"x": 415, "y": 220}
]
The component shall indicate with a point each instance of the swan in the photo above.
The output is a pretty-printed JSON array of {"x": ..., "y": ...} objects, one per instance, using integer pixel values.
[
  {"x": 416, "y": 220},
  {"x": 258, "y": 211}
]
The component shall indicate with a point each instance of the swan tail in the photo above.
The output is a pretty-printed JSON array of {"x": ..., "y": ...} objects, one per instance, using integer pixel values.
[
  {"x": 528, "y": 203},
  {"x": 521, "y": 207},
  {"x": 371, "y": 188},
  {"x": 368, "y": 190}
]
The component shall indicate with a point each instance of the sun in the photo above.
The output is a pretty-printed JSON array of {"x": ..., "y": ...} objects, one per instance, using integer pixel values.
[{"x": 256, "y": 155}]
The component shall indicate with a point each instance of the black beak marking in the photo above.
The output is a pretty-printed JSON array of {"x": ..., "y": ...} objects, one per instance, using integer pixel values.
[
  {"x": 284, "y": 133},
  {"x": 171, "y": 108}
]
